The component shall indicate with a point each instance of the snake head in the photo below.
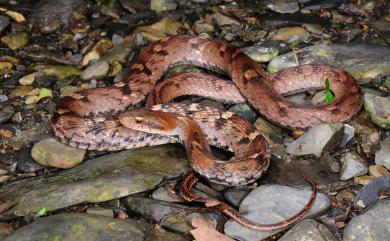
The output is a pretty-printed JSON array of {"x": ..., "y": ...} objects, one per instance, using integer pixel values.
[{"x": 145, "y": 120}]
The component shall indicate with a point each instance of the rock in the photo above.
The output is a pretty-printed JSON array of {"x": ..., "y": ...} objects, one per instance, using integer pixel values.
[
  {"x": 234, "y": 196},
  {"x": 6, "y": 113},
  {"x": 162, "y": 5},
  {"x": 371, "y": 225},
  {"x": 276, "y": 204},
  {"x": 363, "y": 180},
  {"x": 49, "y": 16},
  {"x": 318, "y": 138},
  {"x": 97, "y": 70},
  {"x": 361, "y": 61},
  {"x": 261, "y": 53},
  {"x": 222, "y": 19},
  {"x": 291, "y": 34},
  {"x": 308, "y": 230},
  {"x": 4, "y": 22},
  {"x": 52, "y": 153},
  {"x": 174, "y": 217},
  {"x": 21, "y": 91},
  {"x": 117, "y": 39},
  {"x": 118, "y": 52},
  {"x": 65, "y": 73},
  {"x": 25, "y": 162},
  {"x": 104, "y": 178},
  {"x": 245, "y": 111},
  {"x": 161, "y": 29},
  {"x": 378, "y": 171},
  {"x": 106, "y": 212},
  {"x": 370, "y": 192},
  {"x": 349, "y": 133},
  {"x": 163, "y": 195},
  {"x": 382, "y": 157},
  {"x": 15, "y": 40},
  {"x": 160, "y": 234},
  {"x": 27, "y": 79},
  {"x": 268, "y": 129},
  {"x": 379, "y": 109},
  {"x": 352, "y": 165},
  {"x": 290, "y": 6},
  {"x": 77, "y": 226}
]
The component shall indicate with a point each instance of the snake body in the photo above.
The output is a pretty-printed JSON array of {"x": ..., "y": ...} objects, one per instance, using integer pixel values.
[{"x": 108, "y": 118}]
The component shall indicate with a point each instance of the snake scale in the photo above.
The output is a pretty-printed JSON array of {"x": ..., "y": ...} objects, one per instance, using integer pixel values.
[{"x": 110, "y": 118}]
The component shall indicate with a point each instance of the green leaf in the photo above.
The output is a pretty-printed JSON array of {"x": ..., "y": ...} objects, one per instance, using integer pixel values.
[
  {"x": 44, "y": 93},
  {"x": 329, "y": 97},
  {"x": 295, "y": 43},
  {"x": 41, "y": 212}
]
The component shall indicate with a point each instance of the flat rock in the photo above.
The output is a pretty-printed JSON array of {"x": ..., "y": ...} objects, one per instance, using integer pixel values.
[
  {"x": 374, "y": 224},
  {"x": 15, "y": 40},
  {"x": 379, "y": 109},
  {"x": 4, "y": 22},
  {"x": 370, "y": 192},
  {"x": 382, "y": 157},
  {"x": 260, "y": 53},
  {"x": 174, "y": 217},
  {"x": 50, "y": 152},
  {"x": 317, "y": 140},
  {"x": 97, "y": 70},
  {"x": 308, "y": 230},
  {"x": 289, "y": 6},
  {"x": 352, "y": 165},
  {"x": 77, "y": 226},
  {"x": 101, "y": 179},
  {"x": 291, "y": 34},
  {"x": 271, "y": 204},
  {"x": 49, "y": 16},
  {"x": 361, "y": 61},
  {"x": 6, "y": 113}
]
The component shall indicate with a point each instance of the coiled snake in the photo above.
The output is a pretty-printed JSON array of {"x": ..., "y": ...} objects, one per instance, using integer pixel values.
[{"x": 109, "y": 118}]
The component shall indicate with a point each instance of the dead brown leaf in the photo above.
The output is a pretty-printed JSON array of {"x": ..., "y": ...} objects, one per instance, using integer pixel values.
[{"x": 204, "y": 231}]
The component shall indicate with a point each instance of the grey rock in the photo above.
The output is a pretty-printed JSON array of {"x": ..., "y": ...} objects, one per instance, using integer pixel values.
[
  {"x": 25, "y": 162},
  {"x": 76, "y": 226},
  {"x": 6, "y": 113},
  {"x": 234, "y": 196},
  {"x": 97, "y": 70},
  {"x": 308, "y": 230},
  {"x": 289, "y": 6},
  {"x": 349, "y": 133},
  {"x": 4, "y": 22},
  {"x": 370, "y": 192},
  {"x": 271, "y": 204},
  {"x": 117, "y": 39},
  {"x": 49, "y": 16},
  {"x": 382, "y": 157},
  {"x": 163, "y": 195},
  {"x": 352, "y": 165},
  {"x": 316, "y": 140},
  {"x": 106, "y": 212},
  {"x": 161, "y": 234},
  {"x": 374, "y": 224},
  {"x": 379, "y": 109},
  {"x": 361, "y": 61},
  {"x": 104, "y": 178},
  {"x": 174, "y": 217}
]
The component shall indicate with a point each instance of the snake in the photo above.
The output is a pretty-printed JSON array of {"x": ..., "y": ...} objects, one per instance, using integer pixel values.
[{"x": 134, "y": 112}]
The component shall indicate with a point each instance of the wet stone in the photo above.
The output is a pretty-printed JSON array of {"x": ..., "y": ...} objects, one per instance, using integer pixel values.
[
  {"x": 379, "y": 109},
  {"x": 352, "y": 165},
  {"x": 77, "y": 226},
  {"x": 277, "y": 203},
  {"x": 361, "y": 61},
  {"x": 163, "y": 195},
  {"x": 173, "y": 217},
  {"x": 6, "y": 113},
  {"x": 370, "y": 192},
  {"x": 101, "y": 179},
  {"x": 308, "y": 230},
  {"x": 107, "y": 212},
  {"x": 49, "y": 16},
  {"x": 291, "y": 34},
  {"x": 15, "y": 40},
  {"x": 260, "y": 53},
  {"x": 235, "y": 196},
  {"x": 316, "y": 140},
  {"x": 162, "y": 5},
  {"x": 25, "y": 162},
  {"x": 378, "y": 171},
  {"x": 27, "y": 79},
  {"x": 382, "y": 157},
  {"x": 373, "y": 224},
  {"x": 97, "y": 70},
  {"x": 52, "y": 153},
  {"x": 4, "y": 22},
  {"x": 349, "y": 133},
  {"x": 289, "y": 6},
  {"x": 160, "y": 234}
]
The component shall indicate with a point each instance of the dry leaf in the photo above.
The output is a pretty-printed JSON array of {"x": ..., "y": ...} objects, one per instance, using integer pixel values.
[
  {"x": 204, "y": 231},
  {"x": 14, "y": 15}
]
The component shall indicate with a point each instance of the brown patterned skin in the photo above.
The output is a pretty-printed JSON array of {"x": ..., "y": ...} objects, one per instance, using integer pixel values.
[{"x": 104, "y": 118}]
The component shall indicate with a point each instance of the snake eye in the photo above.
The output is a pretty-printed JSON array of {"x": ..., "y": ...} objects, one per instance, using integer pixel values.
[{"x": 138, "y": 120}]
